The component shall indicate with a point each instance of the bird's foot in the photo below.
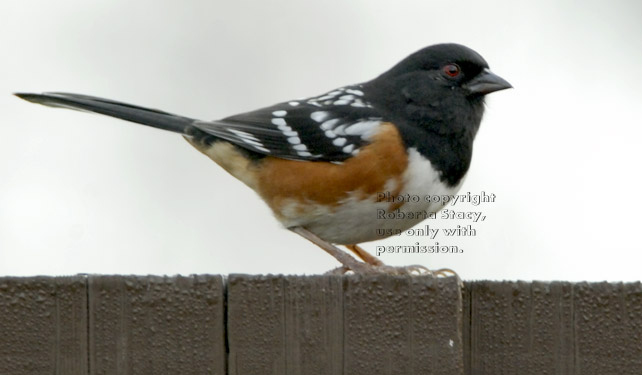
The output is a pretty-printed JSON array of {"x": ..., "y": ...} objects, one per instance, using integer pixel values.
[
  {"x": 415, "y": 269},
  {"x": 371, "y": 265}
]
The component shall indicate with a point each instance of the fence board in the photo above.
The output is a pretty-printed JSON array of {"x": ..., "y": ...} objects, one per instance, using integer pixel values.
[
  {"x": 402, "y": 325},
  {"x": 313, "y": 324},
  {"x": 608, "y": 328},
  {"x": 553, "y": 328},
  {"x": 285, "y": 325},
  {"x": 156, "y": 325},
  {"x": 334, "y": 325},
  {"x": 255, "y": 310},
  {"x": 43, "y": 325}
]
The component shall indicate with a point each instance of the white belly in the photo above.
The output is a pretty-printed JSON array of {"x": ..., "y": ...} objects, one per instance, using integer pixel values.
[{"x": 358, "y": 220}]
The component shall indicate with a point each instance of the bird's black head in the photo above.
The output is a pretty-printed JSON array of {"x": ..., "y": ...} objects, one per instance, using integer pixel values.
[{"x": 439, "y": 88}]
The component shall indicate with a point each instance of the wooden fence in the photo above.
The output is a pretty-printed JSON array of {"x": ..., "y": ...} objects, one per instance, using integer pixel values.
[{"x": 381, "y": 324}]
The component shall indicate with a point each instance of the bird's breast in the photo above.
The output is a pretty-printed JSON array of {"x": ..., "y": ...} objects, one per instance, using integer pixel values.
[{"x": 398, "y": 204}]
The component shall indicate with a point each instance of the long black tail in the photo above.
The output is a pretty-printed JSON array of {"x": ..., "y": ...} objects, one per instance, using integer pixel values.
[{"x": 145, "y": 116}]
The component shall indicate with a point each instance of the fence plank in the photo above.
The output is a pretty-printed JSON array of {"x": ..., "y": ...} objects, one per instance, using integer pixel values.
[
  {"x": 43, "y": 325},
  {"x": 334, "y": 325},
  {"x": 156, "y": 325},
  {"x": 313, "y": 324},
  {"x": 255, "y": 324},
  {"x": 402, "y": 325},
  {"x": 608, "y": 328},
  {"x": 285, "y": 325},
  {"x": 520, "y": 328},
  {"x": 553, "y": 328}
]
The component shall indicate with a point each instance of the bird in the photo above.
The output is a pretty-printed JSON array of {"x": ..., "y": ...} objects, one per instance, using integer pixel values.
[{"x": 323, "y": 163}]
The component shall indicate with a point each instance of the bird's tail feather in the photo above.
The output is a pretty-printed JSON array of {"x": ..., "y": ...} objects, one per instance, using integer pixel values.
[{"x": 128, "y": 112}]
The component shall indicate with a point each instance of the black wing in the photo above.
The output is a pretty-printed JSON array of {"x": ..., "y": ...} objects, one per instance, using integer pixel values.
[{"x": 330, "y": 127}]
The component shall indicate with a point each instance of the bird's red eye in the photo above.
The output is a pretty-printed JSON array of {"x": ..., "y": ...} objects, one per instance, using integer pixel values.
[{"x": 452, "y": 70}]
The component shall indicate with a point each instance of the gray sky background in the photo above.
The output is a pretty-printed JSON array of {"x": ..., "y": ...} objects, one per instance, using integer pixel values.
[{"x": 85, "y": 193}]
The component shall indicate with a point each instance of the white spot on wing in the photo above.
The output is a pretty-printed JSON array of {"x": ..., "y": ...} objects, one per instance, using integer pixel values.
[
  {"x": 319, "y": 116},
  {"x": 243, "y": 135},
  {"x": 280, "y": 113},
  {"x": 339, "y": 141},
  {"x": 294, "y": 140},
  {"x": 340, "y": 130},
  {"x": 348, "y": 149},
  {"x": 293, "y": 104},
  {"x": 363, "y": 128},
  {"x": 327, "y": 125},
  {"x": 355, "y": 92},
  {"x": 300, "y": 147},
  {"x": 253, "y": 143},
  {"x": 330, "y": 134},
  {"x": 278, "y": 121}
]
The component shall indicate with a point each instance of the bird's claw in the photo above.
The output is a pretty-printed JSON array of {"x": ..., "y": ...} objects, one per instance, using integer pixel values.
[{"x": 413, "y": 270}]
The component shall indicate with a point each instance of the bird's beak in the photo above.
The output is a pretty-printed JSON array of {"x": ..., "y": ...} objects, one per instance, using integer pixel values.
[{"x": 485, "y": 83}]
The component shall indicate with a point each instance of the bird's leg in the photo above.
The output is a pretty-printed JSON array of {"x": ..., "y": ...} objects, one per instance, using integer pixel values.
[
  {"x": 372, "y": 265},
  {"x": 364, "y": 255},
  {"x": 414, "y": 269},
  {"x": 382, "y": 267},
  {"x": 348, "y": 262}
]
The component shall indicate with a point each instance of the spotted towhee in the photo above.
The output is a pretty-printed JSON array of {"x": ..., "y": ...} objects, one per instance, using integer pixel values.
[{"x": 321, "y": 163}]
